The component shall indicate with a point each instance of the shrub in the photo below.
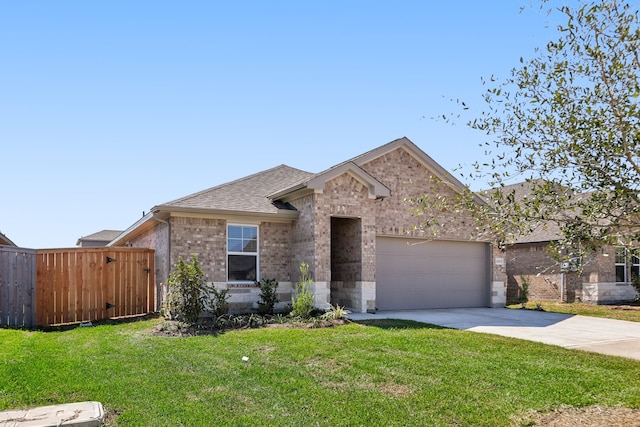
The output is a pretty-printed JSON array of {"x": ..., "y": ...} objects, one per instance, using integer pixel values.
[
  {"x": 302, "y": 302},
  {"x": 268, "y": 296},
  {"x": 635, "y": 282},
  {"x": 523, "y": 298},
  {"x": 218, "y": 304},
  {"x": 335, "y": 313},
  {"x": 187, "y": 291}
]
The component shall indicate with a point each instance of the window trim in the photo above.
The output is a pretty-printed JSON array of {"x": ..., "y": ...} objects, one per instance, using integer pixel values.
[
  {"x": 621, "y": 264},
  {"x": 635, "y": 264},
  {"x": 256, "y": 253}
]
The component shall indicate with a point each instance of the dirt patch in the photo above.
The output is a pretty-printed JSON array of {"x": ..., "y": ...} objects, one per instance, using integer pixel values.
[
  {"x": 626, "y": 307},
  {"x": 592, "y": 416},
  {"x": 110, "y": 417},
  {"x": 395, "y": 390}
]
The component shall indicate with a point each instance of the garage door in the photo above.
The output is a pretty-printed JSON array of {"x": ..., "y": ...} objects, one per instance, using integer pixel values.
[{"x": 438, "y": 274}]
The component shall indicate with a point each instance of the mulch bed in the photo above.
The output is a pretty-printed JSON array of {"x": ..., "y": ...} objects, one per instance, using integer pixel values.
[{"x": 172, "y": 328}]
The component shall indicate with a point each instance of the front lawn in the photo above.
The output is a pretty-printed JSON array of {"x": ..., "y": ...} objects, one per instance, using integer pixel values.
[
  {"x": 629, "y": 312},
  {"x": 376, "y": 373}
]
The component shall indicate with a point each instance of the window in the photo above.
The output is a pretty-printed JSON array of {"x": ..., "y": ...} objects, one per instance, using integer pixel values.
[
  {"x": 242, "y": 253},
  {"x": 621, "y": 265},
  {"x": 635, "y": 264}
]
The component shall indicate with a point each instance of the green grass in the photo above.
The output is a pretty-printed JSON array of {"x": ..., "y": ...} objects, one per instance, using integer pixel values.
[
  {"x": 379, "y": 373},
  {"x": 620, "y": 312}
]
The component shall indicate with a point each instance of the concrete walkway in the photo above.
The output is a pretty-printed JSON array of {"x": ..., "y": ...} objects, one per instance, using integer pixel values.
[{"x": 606, "y": 336}]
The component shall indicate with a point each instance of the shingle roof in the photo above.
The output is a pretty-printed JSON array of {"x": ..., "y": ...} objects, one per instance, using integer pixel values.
[
  {"x": 258, "y": 193},
  {"x": 4, "y": 240},
  {"x": 248, "y": 194},
  {"x": 101, "y": 236},
  {"x": 546, "y": 231},
  {"x": 262, "y": 194}
]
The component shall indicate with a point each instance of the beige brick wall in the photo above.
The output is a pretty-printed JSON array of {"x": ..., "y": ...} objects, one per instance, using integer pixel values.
[
  {"x": 302, "y": 236},
  {"x": 601, "y": 266},
  {"x": 346, "y": 251},
  {"x": 346, "y": 197},
  {"x": 545, "y": 275},
  {"x": 534, "y": 263},
  {"x": 498, "y": 265},
  {"x": 204, "y": 237},
  {"x": 207, "y": 239},
  {"x": 406, "y": 177},
  {"x": 343, "y": 197},
  {"x": 275, "y": 251}
]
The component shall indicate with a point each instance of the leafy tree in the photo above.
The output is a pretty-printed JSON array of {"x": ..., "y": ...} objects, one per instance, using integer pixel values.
[{"x": 567, "y": 121}]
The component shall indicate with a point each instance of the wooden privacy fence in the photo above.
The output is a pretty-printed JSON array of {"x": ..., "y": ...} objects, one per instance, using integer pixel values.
[
  {"x": 17, "y": 286},
  {"x": 78, "y": 285}
]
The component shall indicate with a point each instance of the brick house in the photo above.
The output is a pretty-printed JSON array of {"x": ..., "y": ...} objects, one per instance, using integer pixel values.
[
  {"x": 349, "y": 223},
  {"x": 605, "y": 276}
]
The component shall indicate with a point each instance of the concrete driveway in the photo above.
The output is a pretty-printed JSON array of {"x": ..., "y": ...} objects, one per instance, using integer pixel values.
[{"x": 606, "y": 336}]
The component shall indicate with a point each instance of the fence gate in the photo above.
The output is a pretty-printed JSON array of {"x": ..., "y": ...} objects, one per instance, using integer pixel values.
[
  {"x": 85, "y": 284},
  {"x": 17, "y": 286}
]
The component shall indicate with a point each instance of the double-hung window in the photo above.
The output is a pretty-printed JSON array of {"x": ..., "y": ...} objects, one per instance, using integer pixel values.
[
  {"x": 621, "y": 264},
  {"x": 242, "y": 253},
  {"x": 635, "y": 265}
]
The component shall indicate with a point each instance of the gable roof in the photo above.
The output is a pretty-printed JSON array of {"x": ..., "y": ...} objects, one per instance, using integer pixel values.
[
  {"x": 100, "y": 236},
  {"x": 5, "y": 241},
  {"x": 317, "y": 182},
  {"x": 426, "y": 160},
  {"x": 376, "y": 188},
  {"x": 266, "y": 193}
]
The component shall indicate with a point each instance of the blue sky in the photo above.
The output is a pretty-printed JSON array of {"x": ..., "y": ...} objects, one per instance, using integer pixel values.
[{"x": 110, "y": 108}]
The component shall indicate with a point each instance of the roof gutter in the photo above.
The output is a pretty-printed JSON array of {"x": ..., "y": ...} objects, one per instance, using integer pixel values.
[
  {"x": 279, "y": 214},
  {"x": 126, "y": 233}
]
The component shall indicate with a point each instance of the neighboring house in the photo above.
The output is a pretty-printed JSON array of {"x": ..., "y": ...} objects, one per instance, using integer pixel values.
[
  {"x": 349, "y": 223},
  {"x": 101, "y": 238},
  {"x": 5, "y": 241},
  {"x": 605, "y": 275}
]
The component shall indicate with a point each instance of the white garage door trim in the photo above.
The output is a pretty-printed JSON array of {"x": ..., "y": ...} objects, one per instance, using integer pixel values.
[{"x": 414, "y": 274}]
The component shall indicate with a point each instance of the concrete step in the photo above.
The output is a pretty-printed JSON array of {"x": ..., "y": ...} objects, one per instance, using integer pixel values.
[{"x": 80, "y": 414}]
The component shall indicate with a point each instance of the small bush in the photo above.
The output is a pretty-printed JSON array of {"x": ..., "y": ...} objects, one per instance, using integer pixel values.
[
  {"x": 187, "y": 291},
  {"x": 336, "y": 313},
  {"x": 302, "y": 303},
  {"x": 268, "y": 296},
  {"x": 635, "y": 282},
  {"x": 523, "y": 298},
  {"x": 218, "y": 304}
]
